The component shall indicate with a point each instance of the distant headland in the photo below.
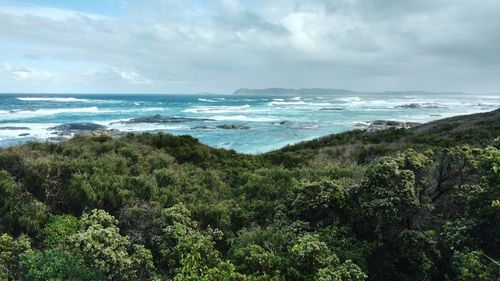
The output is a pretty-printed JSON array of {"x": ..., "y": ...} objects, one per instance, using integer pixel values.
[{"x": 325, "y": 91}]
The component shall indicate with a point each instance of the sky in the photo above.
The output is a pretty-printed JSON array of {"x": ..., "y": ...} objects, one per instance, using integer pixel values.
[{"x": 194, "y": 46}]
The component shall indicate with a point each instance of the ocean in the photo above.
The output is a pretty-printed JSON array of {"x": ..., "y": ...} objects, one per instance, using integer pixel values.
[{"x": 272, "y": 121}]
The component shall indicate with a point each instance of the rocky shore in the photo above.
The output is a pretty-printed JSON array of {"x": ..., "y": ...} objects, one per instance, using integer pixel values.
[
  {"x": 65, "y": 131},
  {"x": 418, "y": 105},
  {"x": 378, "y": 125}
]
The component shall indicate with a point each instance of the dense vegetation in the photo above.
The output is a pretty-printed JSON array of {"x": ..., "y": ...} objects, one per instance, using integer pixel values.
[{"x": 419, "y": 204}]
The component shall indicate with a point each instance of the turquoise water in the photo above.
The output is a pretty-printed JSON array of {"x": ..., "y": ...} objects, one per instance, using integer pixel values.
[{"x": 310, "y": 116}]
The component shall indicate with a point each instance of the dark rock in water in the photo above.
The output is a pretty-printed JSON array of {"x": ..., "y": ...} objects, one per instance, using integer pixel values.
[
  {"x": 418, "y": 105},
  {"x": 202, "y": 128},
  {"x": 78, "y": 127},
  {"x": 24, "y": 135},
  {"x": 411, "y": 105},
  {"x": 331, "y": 109},
  {"x": 161, "y": 119},
  {"x": 225, "y": 126},
  {"x": 233, "y": 127},
  {"x": 14, "y": 128},
  {"x": 21, "y": 110}
]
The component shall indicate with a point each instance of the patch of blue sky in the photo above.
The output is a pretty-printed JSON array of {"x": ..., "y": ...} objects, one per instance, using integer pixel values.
[{"x": 106, "y": 7}]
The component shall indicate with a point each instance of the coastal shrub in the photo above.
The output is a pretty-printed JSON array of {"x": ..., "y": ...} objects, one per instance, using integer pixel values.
[
  {"x": 416, "y": 204},
  {"x": 104, "y": 249}
]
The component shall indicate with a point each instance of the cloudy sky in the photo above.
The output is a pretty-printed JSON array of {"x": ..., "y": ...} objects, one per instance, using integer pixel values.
[{"x": 174, "y": 46}]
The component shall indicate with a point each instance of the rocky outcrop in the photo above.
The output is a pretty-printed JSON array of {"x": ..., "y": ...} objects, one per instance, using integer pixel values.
[
  {"x": 202, "y": 128},
  {"x": 225, "y": 127},
  {"x": 233, "y": 127},
  {"x": 378, "y": 125},
  {"x": 284, "y": 122},
  {"x": 77, "y": 127},
  {"x": 65, "y": 131},
  {"x": 418, "y": 105},
  {"x": 160, "y": 119}
]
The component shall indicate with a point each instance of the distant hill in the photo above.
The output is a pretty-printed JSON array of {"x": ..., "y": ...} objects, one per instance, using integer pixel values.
[
  {"x": 323, "y": 92},
  {"x": 291, "y": 92}
]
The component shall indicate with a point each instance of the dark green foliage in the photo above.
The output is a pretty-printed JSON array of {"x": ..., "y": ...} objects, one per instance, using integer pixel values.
[
  {"x": 11, "y": 250},
  {"x": 58, "y": 230},
  {"x": 56, "y": 265},
  {"x": 318, "y": 201},
  {"x": 418, "y": 204},
  {"x": 9, "y": 203},
  {"x": 475, "y": 265}
]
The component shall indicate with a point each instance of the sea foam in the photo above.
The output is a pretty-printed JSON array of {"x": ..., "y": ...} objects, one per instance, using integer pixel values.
[{"x": 55, "y": 99}]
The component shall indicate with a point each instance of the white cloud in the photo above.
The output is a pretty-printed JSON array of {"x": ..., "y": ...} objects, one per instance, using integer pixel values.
[
  {"x": 23, "y": 73},
  {"x": 232, "y": 6},
  {"x": 130, "y": 76},
  {"x": 56, "y": 14},
  {"x": 111, "y": 75}
]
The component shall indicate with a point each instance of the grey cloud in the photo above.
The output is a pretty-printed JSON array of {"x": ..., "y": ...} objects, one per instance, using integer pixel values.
[{"x": 170, "y": 45}]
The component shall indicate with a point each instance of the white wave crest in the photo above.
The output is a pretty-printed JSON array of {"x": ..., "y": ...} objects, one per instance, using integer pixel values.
[
  {"x": 349, "y": 99},
  {"x": 53, "y": 111},
  {"x": 273, "y": 103},
  {"x": 241, "y": 118},
  {"x": 55, "y": 99},
  {"x": 211, "y": 100},
  {"x": 206, "y": 100},
  {"x": 218, "y": 109}
]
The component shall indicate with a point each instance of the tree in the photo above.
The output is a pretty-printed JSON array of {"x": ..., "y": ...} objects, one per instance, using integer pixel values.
[
  {"x": 388, "y": 195},
  {"x": 179, "y": 236},
  {"x": 314, "y": 260},
  {"x": 193, "y": 269},
  {"x": 56, "y": 264},
  {"x": 10, "y": 251},
  {"x": 454, "y": 167},
  {"x": 33, "y": 216},
  {"x": 9, "y": 203},
  {"x": 104, "y": 249},
  {"x": 317, "y": 201},
  {"x": 58, "y": 230},
  {"x": 310, "y": 254},
  {"x": 475, "y": 266},
  {"x": 347, "y": 271}
]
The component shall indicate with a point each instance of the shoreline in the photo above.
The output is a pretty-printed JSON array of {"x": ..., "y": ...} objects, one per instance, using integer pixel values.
[{"x": 98, "y": 131}]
